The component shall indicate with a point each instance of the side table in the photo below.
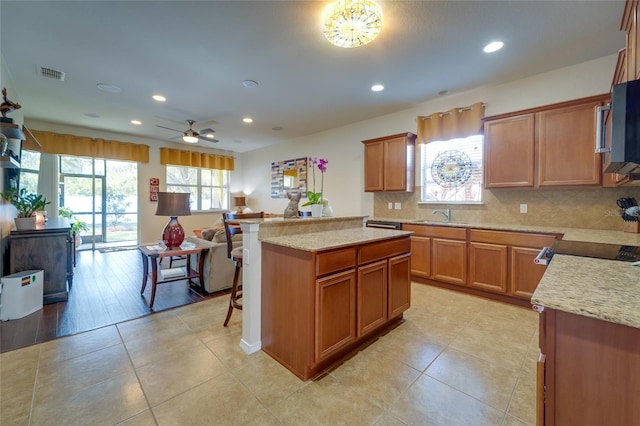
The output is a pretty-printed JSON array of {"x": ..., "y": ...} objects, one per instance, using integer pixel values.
[{"x": 151, "y": 254}]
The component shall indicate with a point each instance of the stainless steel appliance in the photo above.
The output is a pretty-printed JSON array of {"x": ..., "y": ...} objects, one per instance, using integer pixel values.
[
  {"x": 587, "y": 249},
  {"x": 625, "y": 129},
  {"x": 383, "y": 224}
]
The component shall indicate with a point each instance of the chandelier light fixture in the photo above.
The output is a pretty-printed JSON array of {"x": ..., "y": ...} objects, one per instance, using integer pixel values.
[{"x": 352, "y": 23}]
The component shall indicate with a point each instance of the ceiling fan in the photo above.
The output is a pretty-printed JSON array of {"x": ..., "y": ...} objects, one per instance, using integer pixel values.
[{"x": 192, "y": 136}]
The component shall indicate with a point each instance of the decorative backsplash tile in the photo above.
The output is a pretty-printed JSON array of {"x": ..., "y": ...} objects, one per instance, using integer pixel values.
[{"x": 592, "y": 208}]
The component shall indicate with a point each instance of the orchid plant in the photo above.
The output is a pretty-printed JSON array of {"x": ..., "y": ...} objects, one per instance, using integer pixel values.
[{"x": 314, "y": 197}]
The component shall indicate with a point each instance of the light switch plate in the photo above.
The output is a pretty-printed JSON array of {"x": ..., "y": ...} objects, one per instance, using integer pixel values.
[
  {"x": 523, "y": 208},
  {"x": 398, "y": 206}
]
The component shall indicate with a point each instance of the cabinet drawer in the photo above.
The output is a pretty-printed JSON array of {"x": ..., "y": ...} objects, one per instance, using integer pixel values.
[
  {"x": 383, "y": 250},
  {"x": 511, "y": 238},
  {"x": 449, "y": 232},
  {"x": 337, "y": 260}
]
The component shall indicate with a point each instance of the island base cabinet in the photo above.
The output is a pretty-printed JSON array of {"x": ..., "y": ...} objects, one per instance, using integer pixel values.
[
  {"x": 591, "y": 371},
  {"x": 317, "y": 307}
]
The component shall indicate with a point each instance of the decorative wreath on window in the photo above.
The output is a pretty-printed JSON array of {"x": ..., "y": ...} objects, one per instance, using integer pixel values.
[{"x": 451, "y": 169}]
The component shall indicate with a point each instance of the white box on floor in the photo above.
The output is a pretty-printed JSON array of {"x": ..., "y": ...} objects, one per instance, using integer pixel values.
[{"x": 20, "y": 294}]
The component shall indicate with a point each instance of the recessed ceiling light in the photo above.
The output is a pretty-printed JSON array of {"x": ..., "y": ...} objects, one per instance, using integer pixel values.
[
  {"x": 247, "y": 120},
  {"x": 493, "y": 46},
  {"x": 377, "y": 87},
  {"x": 159, "y": 98},
  {"x": 276, "y": 128},
  {"x": 136, "y": 122},
  {"x": 109, "y": 88},
  {"x": 250, "y": 83}
]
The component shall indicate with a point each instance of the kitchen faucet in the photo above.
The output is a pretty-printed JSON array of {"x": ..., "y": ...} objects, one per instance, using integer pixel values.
[{"x": 447, "y": 214}]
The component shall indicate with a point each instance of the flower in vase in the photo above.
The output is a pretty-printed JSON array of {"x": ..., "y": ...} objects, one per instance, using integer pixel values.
[{"x": 314, "y": 197}]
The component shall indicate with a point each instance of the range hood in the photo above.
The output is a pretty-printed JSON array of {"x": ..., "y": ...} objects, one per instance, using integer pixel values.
[{"x": 625, "y": 129}]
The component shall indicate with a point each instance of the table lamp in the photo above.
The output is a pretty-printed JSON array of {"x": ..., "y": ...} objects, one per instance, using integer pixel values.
[
  {"x": 240, "y": 203},
  {"x": 173, "y": 204}
]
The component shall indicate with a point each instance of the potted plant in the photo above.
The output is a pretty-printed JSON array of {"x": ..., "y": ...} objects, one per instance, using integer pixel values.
[
  {"x": 27, "y": 204},
  {"x": 315, "y": 199},
  {"x": 76, "y": 226}
]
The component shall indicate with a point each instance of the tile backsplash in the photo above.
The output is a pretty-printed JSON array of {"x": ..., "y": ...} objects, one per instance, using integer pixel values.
[{"x": 591, "y": 208}]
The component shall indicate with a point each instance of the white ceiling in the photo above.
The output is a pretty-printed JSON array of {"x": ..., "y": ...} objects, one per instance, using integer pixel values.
[{"x": 197, "y": 53}]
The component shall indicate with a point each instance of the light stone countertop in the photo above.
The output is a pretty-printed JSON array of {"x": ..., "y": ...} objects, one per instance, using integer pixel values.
[
  {"x": 608, "y": 290},
  {"x": 326, "y": 240}
]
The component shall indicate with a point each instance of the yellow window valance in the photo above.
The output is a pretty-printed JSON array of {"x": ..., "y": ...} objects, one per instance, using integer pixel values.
[
  {"x": 179, "y": 157},
  {"x": 83, "y": 146},
  {"x": 455, "y": 123}
]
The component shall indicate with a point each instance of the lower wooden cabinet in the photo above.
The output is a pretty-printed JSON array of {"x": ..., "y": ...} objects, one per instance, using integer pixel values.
[
  {"x": 587, "y": 371},
  {"x": 335, "y": 313},
  {"x": 317, "y": 306},
  {"x": 372, "y": 296},
  {"x": 399, "y": 285},
  {"x": 449, "y": 261},
  {"x": 488, "y": 267},
  {"x": 490, "y": 261}
]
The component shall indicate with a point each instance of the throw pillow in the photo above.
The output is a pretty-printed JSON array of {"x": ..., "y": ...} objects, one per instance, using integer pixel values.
[
  {"x": 220, "y": 236},
  {"x": 208, "y": 234},
  {"x": 198, "y": 233}
]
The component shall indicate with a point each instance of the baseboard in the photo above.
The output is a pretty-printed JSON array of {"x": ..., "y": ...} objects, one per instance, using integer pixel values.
[{"x": 250, "y": 348}]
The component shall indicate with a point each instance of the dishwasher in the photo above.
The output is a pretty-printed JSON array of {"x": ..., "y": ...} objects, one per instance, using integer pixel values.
[{"x": 383, "y": 224}]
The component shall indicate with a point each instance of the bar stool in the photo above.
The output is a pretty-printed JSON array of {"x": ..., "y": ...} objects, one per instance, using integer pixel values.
[{"x": 235, "y": 254}]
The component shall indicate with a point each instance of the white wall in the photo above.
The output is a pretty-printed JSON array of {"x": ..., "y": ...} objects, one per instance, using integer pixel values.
[{"x": 343, "y": 148}]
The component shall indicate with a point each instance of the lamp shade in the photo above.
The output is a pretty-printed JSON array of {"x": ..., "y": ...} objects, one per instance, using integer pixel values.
[
  {"x": 239, "y": 201},
  {"x": 173, "y": 204}
]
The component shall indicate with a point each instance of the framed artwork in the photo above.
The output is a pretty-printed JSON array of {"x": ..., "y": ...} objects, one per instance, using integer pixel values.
[
  {"x": 154, "y": 184},
  {"x": 289, "y": 175}
]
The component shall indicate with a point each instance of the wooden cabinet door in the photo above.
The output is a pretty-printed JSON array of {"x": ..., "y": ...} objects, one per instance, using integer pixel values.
[
  {"x": 421, "y": 256},
  {"x": 488, "y": 267},
  {"x": 395, "y": 164},
  {"x": 566, "y": 140},
  {"x": 449, "y": 261},
  {"x": 509, "y": 152},
  {"x": 335, "y": 321},
  {"x": 525, "y": 275},
  {"x": 399, "y": 284},
  {"x": 374, "y": 166},
  {"x": 372, "y": 296}
]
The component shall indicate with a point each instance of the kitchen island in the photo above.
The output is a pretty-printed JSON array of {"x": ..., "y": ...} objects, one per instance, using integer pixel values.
[
  {"x": 589, "y": 364},
  {"x": 326, "y": 293}
]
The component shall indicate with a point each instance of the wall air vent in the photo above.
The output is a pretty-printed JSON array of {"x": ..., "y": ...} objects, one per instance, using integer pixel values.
[{"x": 51, "y": 73}]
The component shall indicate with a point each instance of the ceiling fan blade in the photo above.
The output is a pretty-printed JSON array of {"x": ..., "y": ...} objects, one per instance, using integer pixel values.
[
  {"x": 169, "y": 128},
  {"x": 206, "y": 139}
]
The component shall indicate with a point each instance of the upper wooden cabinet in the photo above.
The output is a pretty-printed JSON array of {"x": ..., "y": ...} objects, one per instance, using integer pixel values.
[
  {"x": 630, "y": 25},
  {"x": 544, "y": 147},
  {"x": 389, "y": 163}
]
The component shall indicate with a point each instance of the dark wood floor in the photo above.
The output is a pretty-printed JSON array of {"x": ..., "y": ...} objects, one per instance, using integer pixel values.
[{"x": 105, "y": 291}]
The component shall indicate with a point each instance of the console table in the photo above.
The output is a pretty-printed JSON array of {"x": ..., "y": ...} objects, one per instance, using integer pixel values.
[
  {"x": 48, "y": 247},
  {"x": 151, "y": 254}
]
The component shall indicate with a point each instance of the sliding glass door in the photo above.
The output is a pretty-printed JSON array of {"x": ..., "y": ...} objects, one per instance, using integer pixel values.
[{"x": 103, "y": 194}]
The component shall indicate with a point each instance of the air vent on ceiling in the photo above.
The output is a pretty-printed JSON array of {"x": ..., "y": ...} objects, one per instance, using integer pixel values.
[{"x": 51, "y": 73}]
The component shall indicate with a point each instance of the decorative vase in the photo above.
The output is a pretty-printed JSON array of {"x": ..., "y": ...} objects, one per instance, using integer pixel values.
[
  {"x": 25, "y": 223},
  {"x": 316, "y": 210}
]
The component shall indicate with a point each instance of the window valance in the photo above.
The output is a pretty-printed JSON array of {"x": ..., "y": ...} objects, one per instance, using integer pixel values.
[
  {"x": 455, "y": 123},
  {"x": 179, "y": 157},
  {"x": 83, "y": 146}
]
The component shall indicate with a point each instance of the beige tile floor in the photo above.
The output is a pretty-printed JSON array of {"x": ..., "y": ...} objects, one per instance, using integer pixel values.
[{"x": 456, "y": 360}]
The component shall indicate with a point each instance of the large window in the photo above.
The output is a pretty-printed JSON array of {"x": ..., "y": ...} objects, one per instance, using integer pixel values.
[
  {"x": 451, "y": 171},
  {"x": 29, "y": 170},
  {"x": 209, "y": 188}
]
